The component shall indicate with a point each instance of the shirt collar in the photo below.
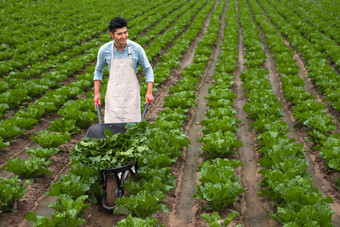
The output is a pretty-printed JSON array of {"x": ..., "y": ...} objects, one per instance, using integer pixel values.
[{"x": 116, "y": 50}]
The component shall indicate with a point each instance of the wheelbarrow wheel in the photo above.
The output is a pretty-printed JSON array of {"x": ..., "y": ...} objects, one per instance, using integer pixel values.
[{"x": 111, "y": 188}]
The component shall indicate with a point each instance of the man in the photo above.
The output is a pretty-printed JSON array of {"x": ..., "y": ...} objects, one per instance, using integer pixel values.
[{"x": 122, "y": 56}]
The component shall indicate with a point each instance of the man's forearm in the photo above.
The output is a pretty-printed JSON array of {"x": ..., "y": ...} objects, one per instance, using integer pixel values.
[
  {"x": 149, "y": 97},
  {"x": 97, "y": 86},
  {"x": 149, "y": 90}
]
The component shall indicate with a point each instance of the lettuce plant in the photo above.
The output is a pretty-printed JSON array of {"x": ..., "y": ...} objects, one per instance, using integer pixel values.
[
  {"x": 10, "y": 190},
  {"x": 143, "y": 204},
  {"x": 48, "y": 139},
  {"x": 130, "y": 221},
  {"x": 64, "y": 125},
  {"x": 219, "y": 186},
  {"x": 28, "y": 168},
  {"x": 214, "y": 220},
  {"x": 220, "y": 144},
  {"x": 40, "y": 152}
]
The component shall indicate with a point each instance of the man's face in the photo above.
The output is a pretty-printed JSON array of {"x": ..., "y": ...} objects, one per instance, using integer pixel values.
[{"x": 120, "y": 36}]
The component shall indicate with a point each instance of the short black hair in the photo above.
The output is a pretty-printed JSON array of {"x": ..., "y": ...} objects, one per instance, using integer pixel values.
[{"x": 117, "y": 22}]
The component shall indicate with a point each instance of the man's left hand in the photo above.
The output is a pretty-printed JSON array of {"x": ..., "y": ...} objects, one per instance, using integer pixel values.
[{"x": 149, "y": 97}]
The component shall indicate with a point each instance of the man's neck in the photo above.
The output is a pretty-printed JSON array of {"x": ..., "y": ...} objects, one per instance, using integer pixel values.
[{"x": 120, "y": 48}]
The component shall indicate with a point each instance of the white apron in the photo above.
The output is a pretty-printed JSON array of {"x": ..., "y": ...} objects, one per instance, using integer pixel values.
[{"x": 122, "y": 100}]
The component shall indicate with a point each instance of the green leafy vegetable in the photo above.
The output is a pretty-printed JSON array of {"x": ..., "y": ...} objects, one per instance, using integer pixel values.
[
  {"x": 143, "y": 204},
  {"x": 63, "y": 125},
  {"x": 219, "y": 186},
  {"x": 220, "y": 144},
  {"x": 337, "y": 183},
  {"x": 65, "y": 202},
  {"x": 40, "y": 152},
  {"x": 48, "y": 139},
  {"x": 67, "y": 218},
  {"x": 214, "y": 220},
  {"x": 115, "y": 150},
  {"x": 72, "y": 185},
  {"x": 28, "y": 168},
  {"x": 10, "y": 190},
  {"x": 219, "y": 195},
  {"x": 137, "y": 222},
  {"x": 331, "y": 151}
]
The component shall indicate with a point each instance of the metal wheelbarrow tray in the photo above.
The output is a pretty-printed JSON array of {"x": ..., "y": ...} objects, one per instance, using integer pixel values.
[{"x": 112, "y": 179}]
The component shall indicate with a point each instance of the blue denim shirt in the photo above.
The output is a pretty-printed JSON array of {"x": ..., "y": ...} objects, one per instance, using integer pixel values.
[{"x": 137, "y": 54}]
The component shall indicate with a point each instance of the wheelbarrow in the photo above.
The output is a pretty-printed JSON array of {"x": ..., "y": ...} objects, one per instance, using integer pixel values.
[{"x": 112, "y": 179}]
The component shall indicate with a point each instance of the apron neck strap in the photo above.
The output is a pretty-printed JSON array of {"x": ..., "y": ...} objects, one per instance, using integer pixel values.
[{"x": 129, "y": 50}]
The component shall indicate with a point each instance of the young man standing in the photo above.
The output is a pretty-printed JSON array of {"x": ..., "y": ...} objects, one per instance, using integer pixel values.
[{"x": 122, "y": 56}]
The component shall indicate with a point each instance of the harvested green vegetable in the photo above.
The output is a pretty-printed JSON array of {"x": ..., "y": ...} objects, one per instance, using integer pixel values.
[{"x": 115, "y": 150}]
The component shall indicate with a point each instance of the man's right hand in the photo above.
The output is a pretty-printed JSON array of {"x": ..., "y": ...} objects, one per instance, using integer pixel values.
[{"x": 96, "y": 100}]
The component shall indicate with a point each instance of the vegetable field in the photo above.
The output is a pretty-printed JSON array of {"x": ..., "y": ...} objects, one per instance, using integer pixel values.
[{"x": 244, "y": 129}]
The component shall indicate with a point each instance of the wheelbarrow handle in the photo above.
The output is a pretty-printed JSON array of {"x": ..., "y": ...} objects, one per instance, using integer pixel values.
[
  {"x": 145, "y": 110},
  {"x": 98, "y": 112},
  {"x": 100, "y": 119}
]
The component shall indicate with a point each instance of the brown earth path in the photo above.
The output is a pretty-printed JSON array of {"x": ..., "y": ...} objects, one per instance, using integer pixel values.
[
  {"x": 256, "y": 209},
  {"x": 186, "y": 206}
]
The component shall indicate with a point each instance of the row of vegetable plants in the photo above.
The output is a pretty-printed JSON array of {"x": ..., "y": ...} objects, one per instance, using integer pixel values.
[
  {"x": 314, "y": 13},
  {"x": 75, "y": 114},
  {"x": 61, "y": 187},
  {"x": 24, "y": 55},
  {"x": 13, "y": 23},
  {"x": 319, "y": 70},
  {"x": 219, "y": 185},
  {"x": 285, "y": 177},
  {"x": 17, "y": 89},
  {"x": 23, "y": 120},
  {"x": 306, "y": 109},
  {"x": 41, "y": 48},
  {"x": 322, "y": 43},
  {"x": 14, "y": 20}
]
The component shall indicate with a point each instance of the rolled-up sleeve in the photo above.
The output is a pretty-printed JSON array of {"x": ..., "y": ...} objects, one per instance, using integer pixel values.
[
  {"x": 98, "y": 72},
  {"x": 144, "y": 62}
]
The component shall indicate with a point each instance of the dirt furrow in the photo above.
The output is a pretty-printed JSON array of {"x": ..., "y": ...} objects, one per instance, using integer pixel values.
[
  {"x": 255, "y": 210},
  {"x": 186, "y": 207}
]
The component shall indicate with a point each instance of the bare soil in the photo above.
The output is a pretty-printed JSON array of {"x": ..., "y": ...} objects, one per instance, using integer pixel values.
[{"x": 255, "y": 209}]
